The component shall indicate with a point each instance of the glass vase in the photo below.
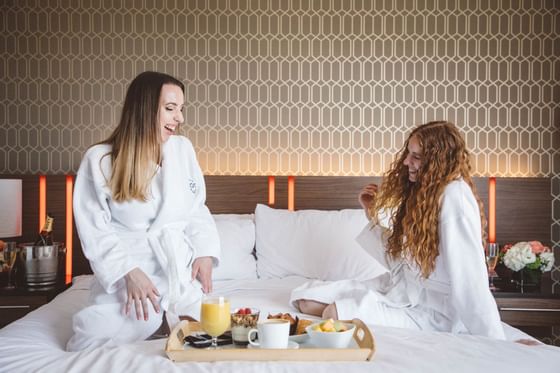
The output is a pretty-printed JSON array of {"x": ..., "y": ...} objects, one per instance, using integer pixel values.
[{"x": 527, "y": 280}]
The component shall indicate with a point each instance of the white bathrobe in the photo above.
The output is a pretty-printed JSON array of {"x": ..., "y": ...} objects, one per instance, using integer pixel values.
[
  {"x": 455, "y": 297},
  {"x": 161, "y": 236}
]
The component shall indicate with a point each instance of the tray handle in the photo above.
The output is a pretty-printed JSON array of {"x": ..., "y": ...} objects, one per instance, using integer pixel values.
[
  {"x": 363, "y": 337},
  {"x": 175, "y": 340}
]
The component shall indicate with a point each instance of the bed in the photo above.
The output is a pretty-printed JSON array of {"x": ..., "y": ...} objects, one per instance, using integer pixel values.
[{"x": 268, "y": 251}]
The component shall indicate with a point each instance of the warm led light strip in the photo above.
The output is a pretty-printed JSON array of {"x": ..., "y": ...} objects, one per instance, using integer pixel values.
[
  {"x": 492, "y": 210},
  {"x": 271, "y": 190},
  {"x": 42, "y": 201},
  {"x": 291, "y": 192},
  {"x": 69, "y": 217}
]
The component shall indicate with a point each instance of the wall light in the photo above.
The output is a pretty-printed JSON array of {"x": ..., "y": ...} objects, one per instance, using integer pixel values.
[
  {"x": 69, "y": 230},
  {"x": 492, "y": 210},
  {"x": 271, "y": 190},
  {"x": 291, "y": 192},
  {"x": 11, "y": 210},
  {"x": 42, "y": 201}
]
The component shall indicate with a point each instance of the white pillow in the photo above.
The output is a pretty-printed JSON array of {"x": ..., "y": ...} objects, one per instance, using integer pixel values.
[
  {"x": 237, "y": 239},
  {"x": 312, "y": 243}
]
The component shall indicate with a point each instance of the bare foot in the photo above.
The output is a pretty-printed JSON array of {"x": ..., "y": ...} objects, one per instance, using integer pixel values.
[
  {"x": 330, "y": 312},
  {"x": 311, "y": 307},
  {"x": 528, "y": 342}
]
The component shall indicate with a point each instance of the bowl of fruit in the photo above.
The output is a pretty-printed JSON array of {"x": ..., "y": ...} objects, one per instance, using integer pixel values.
[{"x": 330, "y": 333}]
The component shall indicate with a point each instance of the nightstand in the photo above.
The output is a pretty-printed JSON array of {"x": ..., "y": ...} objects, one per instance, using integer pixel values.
[
  {"x": 15, "y": 304},
  {"x": 534, "y": 313}
]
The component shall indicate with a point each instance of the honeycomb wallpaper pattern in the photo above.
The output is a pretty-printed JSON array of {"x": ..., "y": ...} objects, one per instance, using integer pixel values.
[{"x": 286, "y": 87}]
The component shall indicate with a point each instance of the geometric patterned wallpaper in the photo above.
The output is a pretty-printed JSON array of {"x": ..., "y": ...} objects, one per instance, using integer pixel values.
[{"x": 289, "y": 87}]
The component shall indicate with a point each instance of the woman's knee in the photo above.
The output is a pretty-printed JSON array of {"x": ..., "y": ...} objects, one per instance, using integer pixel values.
[{"x": 330, "y": 312}]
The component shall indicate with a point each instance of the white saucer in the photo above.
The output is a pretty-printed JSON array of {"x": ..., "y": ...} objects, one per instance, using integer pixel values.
[
  {"x": 291, "y": 345},
  {"x": 299, "y": 338}
]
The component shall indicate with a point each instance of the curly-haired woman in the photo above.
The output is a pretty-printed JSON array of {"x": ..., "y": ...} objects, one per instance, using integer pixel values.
[{"x": 433, "y": 246}]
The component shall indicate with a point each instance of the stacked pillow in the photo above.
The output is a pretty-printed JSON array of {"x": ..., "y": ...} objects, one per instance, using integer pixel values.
[
  {"x": 237, "y": 239},
  {"x": 313, "y": 243}
]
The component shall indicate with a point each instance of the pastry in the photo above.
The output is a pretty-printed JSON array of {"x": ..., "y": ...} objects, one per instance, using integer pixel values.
[
  {"x": 301, "y": 325},
  {"x": 286, "y": 316}
]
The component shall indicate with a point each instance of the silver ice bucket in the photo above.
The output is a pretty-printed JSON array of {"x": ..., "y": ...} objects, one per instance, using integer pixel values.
[{"x": 40, "y": 264}]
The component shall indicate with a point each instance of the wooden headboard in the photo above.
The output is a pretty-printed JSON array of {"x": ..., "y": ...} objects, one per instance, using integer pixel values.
[{"x": 523, "y": 205}]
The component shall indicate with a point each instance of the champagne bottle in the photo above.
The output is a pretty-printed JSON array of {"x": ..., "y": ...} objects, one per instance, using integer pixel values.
[{"x": 45, "y": 237}]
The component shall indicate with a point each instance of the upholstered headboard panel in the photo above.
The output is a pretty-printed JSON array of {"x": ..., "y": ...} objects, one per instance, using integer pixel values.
[{"x": 523, "y": 205}]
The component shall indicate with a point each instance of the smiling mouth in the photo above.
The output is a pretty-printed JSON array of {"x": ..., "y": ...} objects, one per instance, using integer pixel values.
[{"x": 169, "y": 128}]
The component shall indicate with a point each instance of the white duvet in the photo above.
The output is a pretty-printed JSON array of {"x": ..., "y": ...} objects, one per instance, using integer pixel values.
[{"x": 36, "y": 343}]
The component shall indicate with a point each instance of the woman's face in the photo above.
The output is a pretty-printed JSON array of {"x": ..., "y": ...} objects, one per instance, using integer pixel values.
[
  {"x": 170, "y": 111},
  {"x": 413, "y": 159}
]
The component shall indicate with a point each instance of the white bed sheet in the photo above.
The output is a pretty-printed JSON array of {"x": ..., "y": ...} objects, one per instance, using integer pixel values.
[{"x": 36, "y": 343}]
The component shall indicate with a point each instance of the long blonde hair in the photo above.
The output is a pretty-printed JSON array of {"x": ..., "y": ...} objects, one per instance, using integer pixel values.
[
  {"x": 416, "y": 206},
  {"x": 136, "y": 142}
]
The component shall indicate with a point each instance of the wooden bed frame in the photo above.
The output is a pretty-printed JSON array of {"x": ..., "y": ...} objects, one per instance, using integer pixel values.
[{"x": 523, "y": 205}]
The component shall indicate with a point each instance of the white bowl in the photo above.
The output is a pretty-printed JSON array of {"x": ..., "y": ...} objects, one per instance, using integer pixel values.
[{"x": 331, "y": 339}]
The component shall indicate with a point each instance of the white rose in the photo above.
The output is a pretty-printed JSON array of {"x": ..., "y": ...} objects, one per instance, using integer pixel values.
[
  {"x": 519, "y": 256},
  {"x": 547, "y": 258}
]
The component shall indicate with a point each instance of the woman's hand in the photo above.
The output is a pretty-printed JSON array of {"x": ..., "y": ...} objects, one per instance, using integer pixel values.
[
  {"x": 140, "y": 288},
  {"x": 367, "y": 194},
  {"x": 202, "y": 269}
]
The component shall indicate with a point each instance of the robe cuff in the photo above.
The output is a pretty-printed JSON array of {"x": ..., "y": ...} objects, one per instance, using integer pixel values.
[
  {"x": 109, "y": 280},
  {"x": 346, "y": 308},
  {"x": 211, "y": 253}
]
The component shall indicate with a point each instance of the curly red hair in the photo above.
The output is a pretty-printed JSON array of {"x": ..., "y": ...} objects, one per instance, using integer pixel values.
[{"x": 415, "y": 205}]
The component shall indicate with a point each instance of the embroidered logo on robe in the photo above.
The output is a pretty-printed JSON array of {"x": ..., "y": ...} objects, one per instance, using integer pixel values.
[{"x": 192, "y": 186}]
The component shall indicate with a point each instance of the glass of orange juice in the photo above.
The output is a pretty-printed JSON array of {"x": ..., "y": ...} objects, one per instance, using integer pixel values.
[{"x": 214, "y": 316}]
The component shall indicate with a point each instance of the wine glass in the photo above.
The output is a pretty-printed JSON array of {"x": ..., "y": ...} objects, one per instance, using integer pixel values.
[
  {"x": 214, "y": 317},
  {"x": 10, "y": 256},
  {"x": 491, "y": 261}
]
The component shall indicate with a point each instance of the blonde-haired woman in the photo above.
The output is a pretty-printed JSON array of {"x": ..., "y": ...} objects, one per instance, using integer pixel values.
[
  {"x": 139, "y": 206},
  {"x": 432, "y": 235}
]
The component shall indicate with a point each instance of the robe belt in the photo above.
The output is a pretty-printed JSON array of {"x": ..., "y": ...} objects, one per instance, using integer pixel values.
[{"x": 173, "y": 251}]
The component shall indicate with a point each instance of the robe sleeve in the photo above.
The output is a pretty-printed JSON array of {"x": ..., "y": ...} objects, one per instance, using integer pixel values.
[
  {"x": 201, "y": 231},
  {"x": 463, "y": 258},
  {"x": 100, "y": 243}
]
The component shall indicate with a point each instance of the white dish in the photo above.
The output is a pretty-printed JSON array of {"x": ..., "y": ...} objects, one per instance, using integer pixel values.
[
  {"x": 291, "y": 345},
  {"x": 331, "y": 339},
  {"x": 299, "y": 338}
]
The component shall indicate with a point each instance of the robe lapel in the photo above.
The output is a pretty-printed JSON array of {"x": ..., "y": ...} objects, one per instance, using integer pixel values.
[{"x": 171, "y": 176}]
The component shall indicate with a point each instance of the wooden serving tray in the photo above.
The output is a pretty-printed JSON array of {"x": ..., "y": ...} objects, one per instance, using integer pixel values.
[{"x": 362, "y": 350}]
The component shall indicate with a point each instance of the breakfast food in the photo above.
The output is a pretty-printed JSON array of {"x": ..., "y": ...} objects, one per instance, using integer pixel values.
[
  {"x": 3, "y": 262},
  {"x": 331, "y": 334},
  {"x": 243, "y": 320},
  {"x": 301, "y": 325},
  {"x": 297, "y": 325},
  {"x": 286, "y": 316},
  {"x": 330, "y": 326}
]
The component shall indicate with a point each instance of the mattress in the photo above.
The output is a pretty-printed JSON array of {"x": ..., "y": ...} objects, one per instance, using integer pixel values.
[{"x": 37, "y": 343}]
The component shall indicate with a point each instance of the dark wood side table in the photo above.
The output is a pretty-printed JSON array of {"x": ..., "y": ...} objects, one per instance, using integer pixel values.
[
  {"x": 16, "y": 303},
  {"x": 536, "y": 314}
]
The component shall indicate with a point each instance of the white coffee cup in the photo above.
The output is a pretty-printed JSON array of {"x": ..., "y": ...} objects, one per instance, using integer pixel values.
[{"x": 273, "y": 333}]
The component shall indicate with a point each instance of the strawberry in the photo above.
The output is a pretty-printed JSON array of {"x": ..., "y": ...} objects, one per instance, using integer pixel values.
[
  {"x": 247, "y": 311},
  {"x": 241, "y": 311}
]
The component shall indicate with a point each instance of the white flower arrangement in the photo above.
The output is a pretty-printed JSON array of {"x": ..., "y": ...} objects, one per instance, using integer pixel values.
[{"x": 531, "y": 255}]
